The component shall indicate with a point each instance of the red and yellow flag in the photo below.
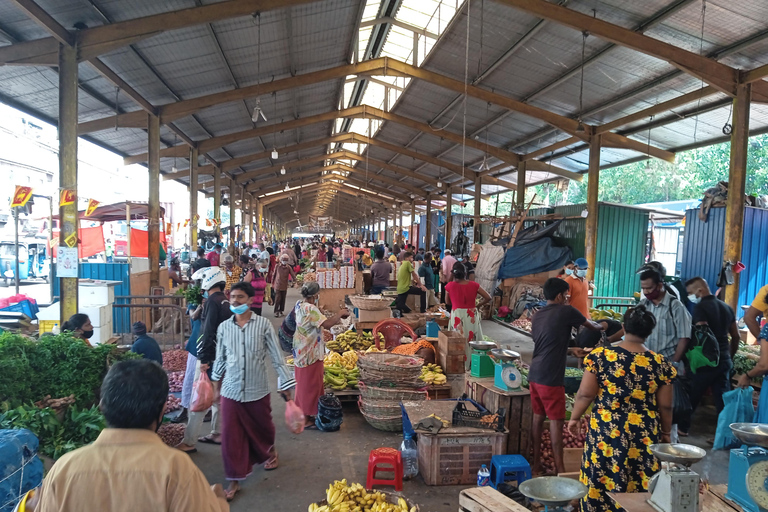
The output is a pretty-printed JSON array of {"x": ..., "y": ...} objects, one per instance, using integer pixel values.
[
  {"x": 208, "y": 222},
  {"x": 178, "y": 226},
  {"x": 186, "y": 222},
  {"x": 67, "y": 197},
  {"x": 21, "y": 196},
  {"x": 92, "y": 204},
  {"x": 168, "y": 227}
]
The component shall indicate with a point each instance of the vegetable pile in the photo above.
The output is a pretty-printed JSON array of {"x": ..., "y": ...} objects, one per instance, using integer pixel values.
[
  {"x": 523, "y": 324},
  {"x": 175, "y": 381},
  {"x": 341, "y": 371},
  {"x": 172, "y": 404},
  {"x": 547, "y": 457},
  {"x": 433, "y": 374},
  {"x": 175, "y": 360},
  {"x": 341, "y": 496},
  {"x": 350, "y": 340},
  {"x": 171, "y": 433}
]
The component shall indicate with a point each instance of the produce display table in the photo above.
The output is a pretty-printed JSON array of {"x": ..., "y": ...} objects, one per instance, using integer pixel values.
[
  {"x": 345, "y": 395},
  {"x": 487, "y": 499},
  {"x": 517, "y": 405},
  {"x": 439, "y": 392}
]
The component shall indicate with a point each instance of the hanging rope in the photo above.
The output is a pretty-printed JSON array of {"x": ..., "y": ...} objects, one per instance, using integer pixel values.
[
  {"x": 701, "y": 52},
  {"x": 466, "y": 90}
]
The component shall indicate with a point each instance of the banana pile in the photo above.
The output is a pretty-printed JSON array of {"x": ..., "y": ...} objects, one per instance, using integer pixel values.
[
  {"x": 343, "y": 497},
  {"x": 341, "y": 371},
  {"x": 433, "y": 374},
  {"x": 350, "y": 340},
  {"x": 605, "y": 314}
]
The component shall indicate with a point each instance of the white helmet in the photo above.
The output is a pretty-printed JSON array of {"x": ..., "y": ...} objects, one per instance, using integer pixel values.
[{"x": 209, "y": 276}]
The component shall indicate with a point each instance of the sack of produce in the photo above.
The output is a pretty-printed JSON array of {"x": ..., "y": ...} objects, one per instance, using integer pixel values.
[{"x": 202, "y": 395}]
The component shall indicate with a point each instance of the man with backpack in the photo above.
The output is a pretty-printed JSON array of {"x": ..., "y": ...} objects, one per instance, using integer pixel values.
[{"x": 713, "y": 320}]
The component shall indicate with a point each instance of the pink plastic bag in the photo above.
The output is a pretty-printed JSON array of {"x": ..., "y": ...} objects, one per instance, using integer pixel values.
[
  {"x": 202, "y": 395},
  {"x": 294, "y": 417}
]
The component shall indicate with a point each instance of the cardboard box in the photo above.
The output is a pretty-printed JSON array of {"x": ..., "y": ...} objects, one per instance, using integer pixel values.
[{"x": 367, "y": 315}]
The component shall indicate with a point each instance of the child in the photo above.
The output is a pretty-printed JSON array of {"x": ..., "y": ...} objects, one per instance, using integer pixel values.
[{"x": 551, "y": 330}]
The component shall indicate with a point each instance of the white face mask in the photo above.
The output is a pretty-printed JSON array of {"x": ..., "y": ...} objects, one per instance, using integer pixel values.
[
  {"x": 693, "y": 298},
  {"x": 569, "y": 271},
  {"x": 581, "y": 273}
]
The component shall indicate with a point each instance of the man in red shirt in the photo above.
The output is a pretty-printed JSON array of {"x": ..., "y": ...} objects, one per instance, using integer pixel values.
[
  {"x": 215, "y": 255},
  {"x": 579, "y": 286}
]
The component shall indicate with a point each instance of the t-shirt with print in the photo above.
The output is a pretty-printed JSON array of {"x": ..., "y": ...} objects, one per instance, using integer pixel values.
[{"x": 551, "y": 331}]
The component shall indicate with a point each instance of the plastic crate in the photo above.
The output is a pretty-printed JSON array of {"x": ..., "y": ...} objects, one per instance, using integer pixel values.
[
  {"x": 463, "y": 417},
  {"x": 449, "y": 458},
  {"x": 26, "y": 307}
]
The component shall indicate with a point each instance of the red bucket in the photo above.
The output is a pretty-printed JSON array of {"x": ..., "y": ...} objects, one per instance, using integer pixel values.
[{"x": 738, "y": 267}]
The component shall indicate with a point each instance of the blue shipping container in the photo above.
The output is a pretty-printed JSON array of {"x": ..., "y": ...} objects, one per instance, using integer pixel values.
[
  {"x": 105, "y": 272},
  {"x": 703, "y": 247}
]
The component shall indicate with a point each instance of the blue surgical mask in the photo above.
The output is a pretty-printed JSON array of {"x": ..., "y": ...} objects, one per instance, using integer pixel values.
[
  {"x": 581, "y": 273},
  {"x": 205, "y": 294},
  {"x": 238, "y": 310},
  {"x": 569, "y": 271},
  {"x": 693, "y": 298}
]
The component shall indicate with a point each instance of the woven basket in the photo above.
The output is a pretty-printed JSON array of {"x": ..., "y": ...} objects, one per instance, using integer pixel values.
[
  {"x": 380, "y": 408},
  {"x": 368, "y": 303},
  {"x": 385, "y": 423},
  {"x": 391, "y": 370},
  {"x": 374, "y": 392}
]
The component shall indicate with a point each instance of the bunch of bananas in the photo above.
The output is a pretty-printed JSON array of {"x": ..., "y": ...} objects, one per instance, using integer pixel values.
[
  {"x": 289, "y": 361},
  {"x": 338, "y": 376},
  {"x": 433, "y": 374},
  {"x": 348, "y": 359},
  {"x": 350, "y": 340},
  {"x": 343, "y": 497}
]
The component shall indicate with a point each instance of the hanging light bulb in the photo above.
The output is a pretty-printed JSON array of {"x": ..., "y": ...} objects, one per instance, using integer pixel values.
[
  {"x": 394, "y": 206},
  {"x": 282, "y": 170},
  {"x": 286, "y": 186},
  {"x": 274, "y": 153},
  {"x": 439, "y": 184}
]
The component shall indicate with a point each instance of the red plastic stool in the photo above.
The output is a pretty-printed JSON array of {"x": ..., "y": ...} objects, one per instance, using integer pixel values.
[{"x": 381, "y": 456}]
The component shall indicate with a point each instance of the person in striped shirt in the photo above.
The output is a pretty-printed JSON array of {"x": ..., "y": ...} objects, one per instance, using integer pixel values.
[{"x": 244, "y": 342}]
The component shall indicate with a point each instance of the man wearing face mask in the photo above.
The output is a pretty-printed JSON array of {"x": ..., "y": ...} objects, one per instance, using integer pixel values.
[
  {"x": 672, "y": 333},
  {"x": 719, "y": 317},
  {"x": 280, "y": 283},
  {"x": 240, "y": 379},
  {"x": 579, "y": 287},
  {"x": 215, "y": 311}
]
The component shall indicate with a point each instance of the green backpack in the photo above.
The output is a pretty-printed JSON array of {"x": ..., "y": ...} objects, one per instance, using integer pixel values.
[{"x": 703, "y": 349}]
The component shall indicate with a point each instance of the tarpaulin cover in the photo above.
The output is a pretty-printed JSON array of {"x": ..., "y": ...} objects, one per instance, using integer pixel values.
[
  {"x": 532, "y": 258},
  {"x": 140, "y": 242},
  {"x": 20, "y": 467},
  {"x": 91, "y": 241}
]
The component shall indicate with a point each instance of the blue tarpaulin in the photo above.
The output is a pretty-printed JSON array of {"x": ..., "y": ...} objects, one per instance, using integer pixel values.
[
  {"x": 20, "y": 467},
  {"x": 532, "y": 258}
]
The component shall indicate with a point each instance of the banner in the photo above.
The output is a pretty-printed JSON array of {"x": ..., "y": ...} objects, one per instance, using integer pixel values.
[
  {"x": 140, "y": 242},
  {"x": 67, "y": 197},
  {"x": 92, "y": 204},
  {"x": 21, "y": 196},
  {"x": 91, "y": 241}
]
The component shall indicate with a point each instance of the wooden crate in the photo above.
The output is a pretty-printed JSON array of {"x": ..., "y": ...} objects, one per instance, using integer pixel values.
[
  {"x": 572, "y": 459},
  {"x": 440, "y": 392},
  {"x": 451, "y": 347},
  {"x": 453, "y": 456},
  {"x": 486, "y": 499},
  {"x": 452, "y": 364},
  {"x": 517, "y": 405}
]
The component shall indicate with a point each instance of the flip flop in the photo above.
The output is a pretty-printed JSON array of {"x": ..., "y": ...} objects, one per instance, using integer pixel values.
[
  {"x": 208, "y": 440},
  {"x": 230, "y": 495},
  {"x": 271, "y": 463}
]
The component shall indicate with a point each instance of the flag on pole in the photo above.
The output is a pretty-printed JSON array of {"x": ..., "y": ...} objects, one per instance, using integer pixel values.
[
  {"x": 208, "y": 222},
  {"x": 92, "y": 204},
  {"x": 21, "y": 196},
  {"x": 67, "y": 197},
  {"x": 186, "y": 222}
]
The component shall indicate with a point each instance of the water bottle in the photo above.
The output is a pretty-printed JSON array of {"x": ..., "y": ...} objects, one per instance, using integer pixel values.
[
  {"x": 55, "y": 329},
  {"x": 483, "y": 476},
  {"x": 410, "y": 457}
]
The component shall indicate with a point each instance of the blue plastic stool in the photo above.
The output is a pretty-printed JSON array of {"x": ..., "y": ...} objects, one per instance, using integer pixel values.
[{"x": 509, "y": 467}]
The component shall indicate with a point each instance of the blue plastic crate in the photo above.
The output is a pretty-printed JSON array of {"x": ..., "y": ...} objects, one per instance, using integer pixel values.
[{"x": 26, "y": 307}]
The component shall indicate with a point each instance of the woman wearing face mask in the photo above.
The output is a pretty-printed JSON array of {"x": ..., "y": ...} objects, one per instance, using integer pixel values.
[
  {"x": 283, "y": 272},
  {"x": 579, "y": 286},
  {"x": 79, "y": 325},
  {"x": 567, "y": 269},
  {"x": 257, "y": 276}
]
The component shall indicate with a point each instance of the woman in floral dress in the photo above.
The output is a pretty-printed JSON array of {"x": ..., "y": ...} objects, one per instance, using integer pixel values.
[
  {"x": 632, "y": 393},
  {"x": 309, "y": 349}
]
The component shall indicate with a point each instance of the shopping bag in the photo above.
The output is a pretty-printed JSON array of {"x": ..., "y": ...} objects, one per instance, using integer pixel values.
[
  {"x": 761, "y": 413},
  {"x": 681, "y": 405},
  {"x": 294, "y": 417},
  {"x": 202, "y": 395},
  {"x": 738, "y": 409}
]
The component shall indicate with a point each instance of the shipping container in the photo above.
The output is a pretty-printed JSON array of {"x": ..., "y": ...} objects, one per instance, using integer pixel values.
[
  {"x": 703, "y": 248},
  {"x": 621, "y": 237}
]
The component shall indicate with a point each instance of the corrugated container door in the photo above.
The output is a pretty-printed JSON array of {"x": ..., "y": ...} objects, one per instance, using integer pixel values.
[
  {"x": 703, "y": 246},
  {"x": 754, "y": 254},
  {"x": 621, "y": 236}
]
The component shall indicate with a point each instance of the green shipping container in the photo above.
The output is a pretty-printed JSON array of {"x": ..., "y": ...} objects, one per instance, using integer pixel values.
[{"x": 622, "y": 233}]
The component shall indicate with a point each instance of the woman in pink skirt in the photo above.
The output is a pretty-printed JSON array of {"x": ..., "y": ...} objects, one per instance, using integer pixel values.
[{"x": 309, "y": 350}]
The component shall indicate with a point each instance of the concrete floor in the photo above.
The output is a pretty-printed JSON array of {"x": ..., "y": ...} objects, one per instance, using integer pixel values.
[{"x": 311, "y": 460}]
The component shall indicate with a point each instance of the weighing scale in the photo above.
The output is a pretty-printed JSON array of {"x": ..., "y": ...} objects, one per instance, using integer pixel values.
[
  {"x": 506, "y": 376},
  {"x": 553, "y": 491},
  {"x": 676, "y": 487},
  {"x": 748, "y": 468},
  {"x": 481, "y": 366}
]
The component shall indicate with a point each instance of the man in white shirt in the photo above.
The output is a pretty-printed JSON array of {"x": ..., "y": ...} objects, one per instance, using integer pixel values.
[{"x": 446, "y": 267}]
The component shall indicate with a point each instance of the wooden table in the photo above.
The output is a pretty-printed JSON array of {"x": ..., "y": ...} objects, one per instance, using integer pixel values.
[{"x": 711, "y": 501}]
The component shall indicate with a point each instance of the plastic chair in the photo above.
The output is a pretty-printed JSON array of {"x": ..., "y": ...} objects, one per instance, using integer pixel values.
[
  {"x": 505, "y": 468},
  {"x": 392, "y": 329},
  {"x": 385, "y": 456}
]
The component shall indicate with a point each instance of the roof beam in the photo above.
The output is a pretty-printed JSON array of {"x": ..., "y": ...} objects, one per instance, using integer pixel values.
[
  {"x": 45, "y": 20},
  {"x": 401, "y": 24},
  {"x": 96, "y": 41},
  {"x": 714, "y": 73}
]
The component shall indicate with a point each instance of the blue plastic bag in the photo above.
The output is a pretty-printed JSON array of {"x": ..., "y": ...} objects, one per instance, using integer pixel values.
[
  {"x": 761, "y": 413},
  {"x": 738, "y": 408}
]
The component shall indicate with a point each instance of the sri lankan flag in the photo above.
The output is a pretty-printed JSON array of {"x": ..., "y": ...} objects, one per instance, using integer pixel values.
[{"x": 21, "y": 196}]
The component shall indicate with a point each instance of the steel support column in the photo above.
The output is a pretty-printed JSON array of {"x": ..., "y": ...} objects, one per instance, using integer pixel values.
[
  {"x": 592, "y": 206},
  {"x": 478, "y": 194},
  {"x": 520, "y": 199},
  {"x": 153, "y": 208},
  {"x": 737, "y": 180},
  {"x": 193, "y": 186},
  {"x": 68, "y": 168},
  {"x": 428, "y": 227},
  {"x": 232, "y": 216},
  {"x": 243, "y": 214},
  {"x": 448, "y": 215},
  {"x": 259, "y": 220},
  {"x": 412, "y": 232},
  {"x": 217, "y": 199}
]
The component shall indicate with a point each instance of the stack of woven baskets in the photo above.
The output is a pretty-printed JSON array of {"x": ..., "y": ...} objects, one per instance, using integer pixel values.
[{"x": 385, "y": 381}]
